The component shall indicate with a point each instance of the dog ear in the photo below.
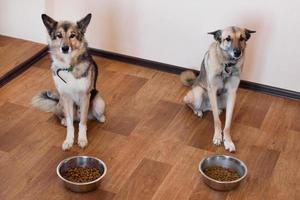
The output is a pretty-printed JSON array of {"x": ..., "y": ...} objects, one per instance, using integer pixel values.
[
  {"x": 84, "y": 22},
  {"x": 217, "y": 35},
  {"x": 248, "y": 33},
  {"x": 49, "y": 23}
]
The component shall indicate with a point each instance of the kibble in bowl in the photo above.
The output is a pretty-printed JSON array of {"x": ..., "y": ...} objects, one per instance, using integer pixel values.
[
  {"x": 81, "y": 173},
  {"x": 222, "y": 172}
]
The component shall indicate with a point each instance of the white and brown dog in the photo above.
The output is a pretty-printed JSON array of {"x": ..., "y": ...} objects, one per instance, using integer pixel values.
[
  {"x": 216, "y": 86},
  {"x": 75, "y": 74}
]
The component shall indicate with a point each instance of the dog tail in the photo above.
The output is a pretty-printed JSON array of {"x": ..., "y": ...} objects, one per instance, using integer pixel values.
[
  {"x": 46, "y": 101},
  {"x": 188, "y": 78}
]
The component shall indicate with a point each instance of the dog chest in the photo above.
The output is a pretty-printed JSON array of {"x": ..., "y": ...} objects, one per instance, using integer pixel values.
[{"x": 72, "y": 85}]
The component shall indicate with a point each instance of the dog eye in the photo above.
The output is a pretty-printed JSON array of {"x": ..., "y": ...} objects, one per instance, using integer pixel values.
[
  {"x": 228, "y": 39},
  {"x": 242, "y": 39},
  {"x": 72, "y": 35},
  {"x": 59, "y": 35}
]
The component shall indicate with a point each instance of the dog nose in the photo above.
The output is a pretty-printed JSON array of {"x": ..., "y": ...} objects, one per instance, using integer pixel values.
[
  {"x": 65, "y": 49},
  {"x": 237, "y": 52}
]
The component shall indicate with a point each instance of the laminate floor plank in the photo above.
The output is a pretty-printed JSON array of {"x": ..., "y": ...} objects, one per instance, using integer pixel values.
[{"x": 15, "y": 51}]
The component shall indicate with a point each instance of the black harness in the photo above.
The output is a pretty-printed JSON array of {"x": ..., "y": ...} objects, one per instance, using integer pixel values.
[
  {"x": 93, "y": 92},
  {"x": 69, "y": 69},
  {"x": 228, "y": 68}
]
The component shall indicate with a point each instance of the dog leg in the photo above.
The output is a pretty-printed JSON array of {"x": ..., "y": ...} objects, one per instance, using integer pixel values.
[
  {"x": 97, "y": 109},
  {"x": 212, "y": 94},
  {"x": 68, "y": 110},
  {"x": 84, "y": 107},
  {"x": 60, "y": 112},
  {"x": 194, "y": 99},
  {"x": 228, "y": 144}
]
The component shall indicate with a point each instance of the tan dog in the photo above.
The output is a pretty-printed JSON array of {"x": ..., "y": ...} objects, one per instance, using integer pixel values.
[
  {"x": 75, "y": 74},
  {"x": 216, "y": 85}
]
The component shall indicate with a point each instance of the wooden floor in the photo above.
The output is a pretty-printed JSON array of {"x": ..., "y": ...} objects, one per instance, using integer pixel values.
[
  {"x": 15, "y": 51},
  {"x": 151, "y": 142}
]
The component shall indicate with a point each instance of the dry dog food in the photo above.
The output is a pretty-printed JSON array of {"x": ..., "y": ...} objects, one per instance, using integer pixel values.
[
  {"x": 221, "y": 174},
  {"x": 81, "y": 174}
]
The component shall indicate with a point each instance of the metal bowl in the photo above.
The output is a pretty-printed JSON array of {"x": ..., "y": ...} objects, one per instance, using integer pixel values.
[
  {"x": 81, "y": 161},
  {"x": 228, "y": 162}
]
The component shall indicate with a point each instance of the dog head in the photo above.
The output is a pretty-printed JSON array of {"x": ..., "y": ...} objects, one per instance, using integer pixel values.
[
  {"x": 65, "y": 36},
  {"x": 232, "y": 40}
]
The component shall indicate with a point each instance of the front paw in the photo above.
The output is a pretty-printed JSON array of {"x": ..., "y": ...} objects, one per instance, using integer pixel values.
[
  {"x": 229, "y": 145},
  {"x": 217, "y": 139},
  {"x": 82, "y": 139},
  {"x": 82, "y": 142},
  {"x": 102, "y": 118},
  {"x": 198, "y": 113},
  {"x": 67, "y": 144}
]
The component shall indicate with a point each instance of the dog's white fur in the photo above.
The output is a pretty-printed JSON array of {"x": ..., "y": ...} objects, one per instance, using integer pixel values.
[{"x": 73, "y": 90}]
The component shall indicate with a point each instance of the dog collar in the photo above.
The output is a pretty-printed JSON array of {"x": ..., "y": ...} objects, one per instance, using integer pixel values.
[
  {"x": 228, "y": 67},
  {"x": 69, "y": 69}
]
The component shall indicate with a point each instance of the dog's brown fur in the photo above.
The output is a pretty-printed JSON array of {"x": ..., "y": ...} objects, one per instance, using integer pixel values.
[{"x": 216, "y": 85}]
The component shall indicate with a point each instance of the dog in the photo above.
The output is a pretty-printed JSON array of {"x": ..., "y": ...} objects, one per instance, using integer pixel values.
[
  {"x": 214, "y": 89},
  {"x": 74, "y": 73}
]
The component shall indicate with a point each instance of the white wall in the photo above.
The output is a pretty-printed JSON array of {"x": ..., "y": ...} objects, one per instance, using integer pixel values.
[
  {"x": 174, "y": 31},
  {"x": 22, "y": 19}
]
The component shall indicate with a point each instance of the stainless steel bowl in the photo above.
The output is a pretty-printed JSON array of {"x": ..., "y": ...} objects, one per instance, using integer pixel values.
[
  {"x": 81, "y": 161},
  {"x": 226, "y": 162}
]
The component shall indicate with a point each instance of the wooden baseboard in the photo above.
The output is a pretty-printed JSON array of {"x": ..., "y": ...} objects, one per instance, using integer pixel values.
[
  {"x": 275, "y": 91},
  {"x": 22, "y": 67},
  {"x": 149, "y": 64},
  {"x": 138, "y": 61},
  {"x": 177, "y": 70}
]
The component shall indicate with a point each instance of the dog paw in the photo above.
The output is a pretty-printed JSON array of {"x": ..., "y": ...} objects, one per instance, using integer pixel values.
[
  {"x": 102, "y": 119},
  {"x": 82, "y": 142},
  {"x": 229, "y": 146},
  {"x": 67, "y": 144},
  {"x": 186, "y": 99},
  {"x": 63, "y": 122},
  {"x": 217, "y": 140},
  {"x": 220, "y": 111},
  {"x": 198, "y": 113}
]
